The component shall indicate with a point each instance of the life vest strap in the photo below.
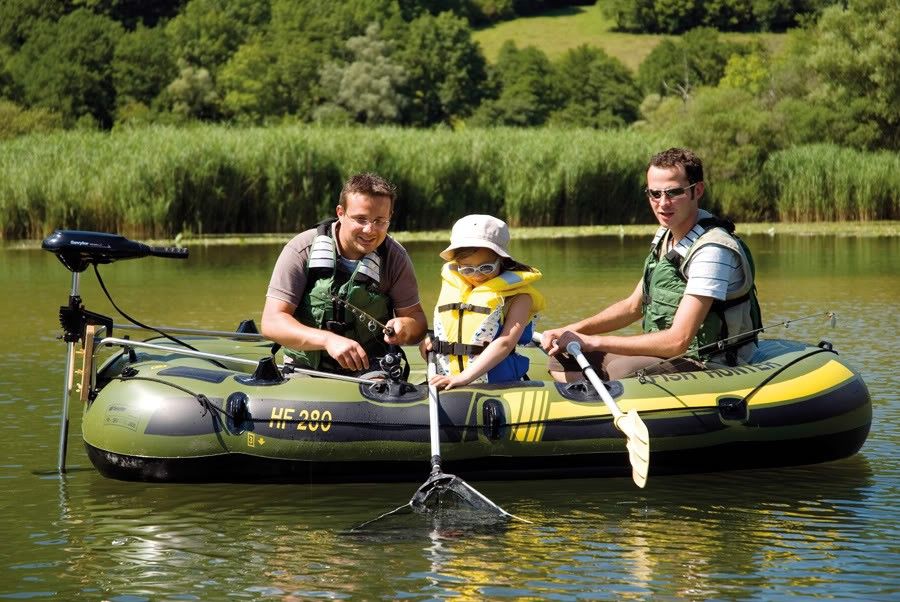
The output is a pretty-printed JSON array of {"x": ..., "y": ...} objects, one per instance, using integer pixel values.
[
  {"x": 464, "y": 307},
  {"x": 460, "y": 349}
]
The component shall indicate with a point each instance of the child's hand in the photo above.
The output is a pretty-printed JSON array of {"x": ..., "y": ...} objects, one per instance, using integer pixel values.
[
  {"x": 444, "y": 382},
  {"x": 425, "y": 347}
]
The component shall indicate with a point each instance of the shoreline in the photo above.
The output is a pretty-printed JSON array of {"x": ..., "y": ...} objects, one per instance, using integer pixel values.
[{"x": 886, "y": 228}]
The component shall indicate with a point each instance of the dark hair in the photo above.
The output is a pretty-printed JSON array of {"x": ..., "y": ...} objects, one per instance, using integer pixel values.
[
  {"x": 506, "y": 263},
  {"x": 674, "y": 157},
  {"x": 368, "y": 184}
]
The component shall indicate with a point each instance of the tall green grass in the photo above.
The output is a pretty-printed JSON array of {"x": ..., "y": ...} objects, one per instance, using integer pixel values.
[
  {"x": 824, "y": 182},
  {"x": 163, "y": 181}
]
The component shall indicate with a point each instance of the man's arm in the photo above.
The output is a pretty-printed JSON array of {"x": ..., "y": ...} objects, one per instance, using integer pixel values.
[
  {"x": 409, "y": 321},
  {"x": 667, "y": 343},
  {"x": 280, "y": 325},
  {"x": 620, "y": 314}
]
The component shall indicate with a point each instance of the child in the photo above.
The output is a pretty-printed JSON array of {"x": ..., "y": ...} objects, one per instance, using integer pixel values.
[{"x": 486, "y": 306}]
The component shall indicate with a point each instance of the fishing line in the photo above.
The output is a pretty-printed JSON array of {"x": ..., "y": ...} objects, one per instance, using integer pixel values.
[
  {"x": 144, "y": 326},
  {"x": 364, "y": 318},
  {"x": 720, "y": 345}
]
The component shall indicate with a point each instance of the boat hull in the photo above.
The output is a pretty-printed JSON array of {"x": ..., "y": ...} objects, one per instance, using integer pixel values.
[{"x": 171, "y": 418}]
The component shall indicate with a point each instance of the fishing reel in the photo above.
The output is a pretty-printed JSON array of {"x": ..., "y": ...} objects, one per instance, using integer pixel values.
[
  {"x": 392, "y": 366},
  {"x": 391, "y": 377}
]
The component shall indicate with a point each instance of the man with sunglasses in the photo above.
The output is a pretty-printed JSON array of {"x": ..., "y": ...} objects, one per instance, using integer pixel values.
[
  {"x": 343, "y": 291},
  {"x": 696, "y": 298}
]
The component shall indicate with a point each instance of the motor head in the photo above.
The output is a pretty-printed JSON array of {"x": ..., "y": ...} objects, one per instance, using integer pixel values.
[{"x": 77, "y": 249}]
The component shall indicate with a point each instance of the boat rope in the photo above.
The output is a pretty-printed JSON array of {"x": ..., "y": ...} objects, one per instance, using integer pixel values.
[
  {"x": 204, "y": 401},
  {"x": 139, "y": 324},
  {"x": 641, "y": 373},
  {"x": 823, "y": 348}
]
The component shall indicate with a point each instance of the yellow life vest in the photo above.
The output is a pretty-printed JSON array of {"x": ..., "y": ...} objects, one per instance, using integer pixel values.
[{"x": 467, "y": 319}]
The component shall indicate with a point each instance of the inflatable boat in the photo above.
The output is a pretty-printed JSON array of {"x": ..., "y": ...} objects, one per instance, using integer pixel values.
[{"x": 217, "y": 406}]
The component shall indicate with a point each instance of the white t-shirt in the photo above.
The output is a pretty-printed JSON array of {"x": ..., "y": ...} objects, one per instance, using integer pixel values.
[{"x": 713, "y": 271}]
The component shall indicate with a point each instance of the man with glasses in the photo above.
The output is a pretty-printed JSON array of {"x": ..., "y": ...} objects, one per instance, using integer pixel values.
[
  {"x": 696, "y": 298},
  {"x": 343, "y": 291}
]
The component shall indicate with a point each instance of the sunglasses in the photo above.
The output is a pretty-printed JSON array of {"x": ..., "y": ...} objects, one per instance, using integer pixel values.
[
  {"x": 671, "y": 193},
  {"x": 484, "y": 268}
]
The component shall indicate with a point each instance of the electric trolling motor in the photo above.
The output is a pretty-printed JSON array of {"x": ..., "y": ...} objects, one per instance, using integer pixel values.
[{"x": 76, "y": 250}]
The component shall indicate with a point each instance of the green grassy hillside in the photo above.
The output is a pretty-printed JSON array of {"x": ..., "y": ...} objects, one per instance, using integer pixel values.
[{"x": 557, "y": 31}]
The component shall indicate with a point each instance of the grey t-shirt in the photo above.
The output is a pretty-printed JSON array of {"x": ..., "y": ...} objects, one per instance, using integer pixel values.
[{"x": 398, "y": 278}]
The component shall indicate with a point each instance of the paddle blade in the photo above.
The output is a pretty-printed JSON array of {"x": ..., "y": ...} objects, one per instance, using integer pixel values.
[{"x": 638, "y": 445}]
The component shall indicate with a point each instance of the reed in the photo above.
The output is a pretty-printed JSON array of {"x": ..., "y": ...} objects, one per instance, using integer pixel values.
[
  {"x": 824, "y": 182},
  {"x": 163, "y": 181}
]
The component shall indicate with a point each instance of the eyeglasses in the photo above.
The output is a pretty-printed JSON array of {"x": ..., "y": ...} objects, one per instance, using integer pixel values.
[
  {"x": 378, "y": 223},
  {"x": 484, "y": 268},
  {"x": 671, "y": 193}
]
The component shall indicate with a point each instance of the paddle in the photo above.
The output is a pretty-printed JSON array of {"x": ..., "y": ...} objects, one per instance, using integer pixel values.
[
  {"x": 439, "y": 485},
  {"x": 630, "y": 424}
]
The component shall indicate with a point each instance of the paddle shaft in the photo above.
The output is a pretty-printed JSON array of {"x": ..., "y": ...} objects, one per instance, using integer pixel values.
[
  {"x": 434, "y": 401},
  {"x": 574, "y": 349}
]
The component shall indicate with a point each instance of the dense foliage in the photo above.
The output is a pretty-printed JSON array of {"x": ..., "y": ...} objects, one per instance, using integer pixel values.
[
  {"x": 678, "y": 16},
  {"x": 120, "y": 64}
]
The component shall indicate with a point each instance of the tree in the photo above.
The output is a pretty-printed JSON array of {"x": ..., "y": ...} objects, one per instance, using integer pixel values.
[
  {"x": 304, "y": 36},
  {"x": 677, "y": 67},
  {"x": 207, "y": 32},
  {"x": 132, "y": 13},
  {"x": 445, "y": 68},
  {"x": 857, "y": 55},
  {"x": 142, "y": 66},
  {"x": 527, "y": 93},
  {"x": 19, "y": 17},
  {"x": 249, "y": 84},
  {"x": 749, "y": 72},
  {"x": 193, "y": 94},
  {"x": 368, "y": 87},
  {"x": 596, "y": 89},
  {"x": 65, "y": 66},
  {"x": 678, "y": 16}
]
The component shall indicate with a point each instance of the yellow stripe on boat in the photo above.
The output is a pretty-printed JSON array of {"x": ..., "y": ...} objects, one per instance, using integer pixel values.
[
  {"x": 533, "y": 410},
  {"x": 809, "y": 384}
]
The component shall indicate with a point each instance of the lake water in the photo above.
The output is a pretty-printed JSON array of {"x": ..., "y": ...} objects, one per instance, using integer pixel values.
[{"x": 823, "y": 531}]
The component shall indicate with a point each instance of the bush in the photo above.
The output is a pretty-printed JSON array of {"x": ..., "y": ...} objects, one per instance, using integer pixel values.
[
  {"x": 696, "y": 59},
  {"x": 16, "y": 121}
]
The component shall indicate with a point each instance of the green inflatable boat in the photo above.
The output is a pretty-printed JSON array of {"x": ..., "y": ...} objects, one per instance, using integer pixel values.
[{"x": 219, "y": 407}]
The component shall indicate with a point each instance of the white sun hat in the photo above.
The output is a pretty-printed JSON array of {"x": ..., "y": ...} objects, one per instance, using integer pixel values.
[{"x": 478, "y": 231}]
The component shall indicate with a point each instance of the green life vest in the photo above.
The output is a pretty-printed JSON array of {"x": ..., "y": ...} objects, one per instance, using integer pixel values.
[
  {"x": 665, "y": 282},
  {"x": 326, "y": 279}
]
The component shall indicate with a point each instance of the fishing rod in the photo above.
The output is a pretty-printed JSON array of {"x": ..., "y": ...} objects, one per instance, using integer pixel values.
[
  {"x": 721, "y": 344},
  {"x": 365, "y": 318}
]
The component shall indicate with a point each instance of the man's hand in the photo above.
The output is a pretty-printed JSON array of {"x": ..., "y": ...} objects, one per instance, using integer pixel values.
[
  {"x": 396, "y": 331},
  {"x": 550, "y": 341},
  {"x": 346, "y": 352}
]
